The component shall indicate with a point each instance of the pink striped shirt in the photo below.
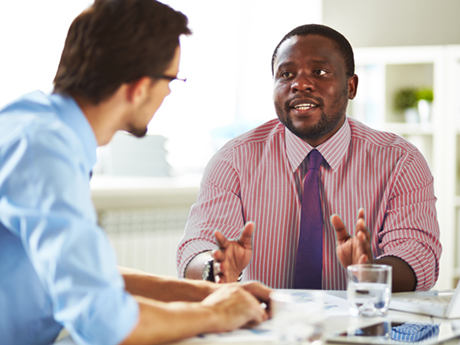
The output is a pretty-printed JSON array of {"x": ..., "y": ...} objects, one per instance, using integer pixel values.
[{"x": 258, "y": 176}]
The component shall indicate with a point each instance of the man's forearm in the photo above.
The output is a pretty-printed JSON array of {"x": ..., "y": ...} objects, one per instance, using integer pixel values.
[
  {"x": 230, "y": 307},
  {"x": 163, "y": 288},
  {"x": 403, "y": 276},
  {"x": 164, "y": 322},
  {"x": 194, "y": 269}
]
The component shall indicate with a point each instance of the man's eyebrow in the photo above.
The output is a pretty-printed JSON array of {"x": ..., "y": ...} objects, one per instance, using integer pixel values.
[
  {"x": 284, "y": 65},
  {"x": 318, "y": 61},
  {"x": 323, "y": 61}
]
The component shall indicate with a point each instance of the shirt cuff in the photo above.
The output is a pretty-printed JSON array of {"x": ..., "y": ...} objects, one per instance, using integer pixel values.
[
  {"x": 421, "y": 260},
  {"x": 110, "y": 319},
  {"x": 189, "y": 250}
]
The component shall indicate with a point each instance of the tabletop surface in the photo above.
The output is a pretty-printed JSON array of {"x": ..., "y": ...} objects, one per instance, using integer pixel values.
[{"x": 337, "y": 320}]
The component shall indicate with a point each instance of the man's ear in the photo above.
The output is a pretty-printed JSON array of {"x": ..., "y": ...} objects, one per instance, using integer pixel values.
[
  {"x": 352, "y": 86},
  {"x": 137, "y": 90}
]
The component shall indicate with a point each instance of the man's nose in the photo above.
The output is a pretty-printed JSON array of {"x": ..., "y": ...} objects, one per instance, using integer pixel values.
[{"x": 302, "y": 83}]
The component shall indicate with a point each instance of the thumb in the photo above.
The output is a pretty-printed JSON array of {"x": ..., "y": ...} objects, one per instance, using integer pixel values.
[
  {"x": 340, "y": 229},
  {"x": 246, "y": 235}
]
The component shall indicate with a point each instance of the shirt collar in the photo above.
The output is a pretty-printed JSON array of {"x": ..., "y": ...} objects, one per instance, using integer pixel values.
[
  {"x": 333, "y": 149},
  {"x": 70, "y": 113}
]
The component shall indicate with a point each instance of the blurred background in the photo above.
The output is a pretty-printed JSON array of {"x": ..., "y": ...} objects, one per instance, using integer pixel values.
[{"x": 407, "y": 56}]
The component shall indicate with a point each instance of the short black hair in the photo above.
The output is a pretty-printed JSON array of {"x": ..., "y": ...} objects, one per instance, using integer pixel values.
[
  {"x": 115, "y": 42},
  {"x": 343, "y": 46}
]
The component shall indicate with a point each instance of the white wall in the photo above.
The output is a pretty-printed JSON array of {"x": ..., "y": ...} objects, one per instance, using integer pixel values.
[
  {"x": 377, "y": 23},
  {"x": 32, "y": 35},
  {"x": 227, "y": 62}
]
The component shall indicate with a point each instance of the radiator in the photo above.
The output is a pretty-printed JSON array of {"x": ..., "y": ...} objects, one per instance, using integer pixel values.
[{"x": 146, "y": 239}]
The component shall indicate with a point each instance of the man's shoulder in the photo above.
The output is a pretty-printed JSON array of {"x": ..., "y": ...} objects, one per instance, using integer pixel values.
[
  {"x": 261, "y": 135},
  {"x": 31, "y": 103},
  {"x": 31, "y": 117},
  {"x": 377, "y": 138}
]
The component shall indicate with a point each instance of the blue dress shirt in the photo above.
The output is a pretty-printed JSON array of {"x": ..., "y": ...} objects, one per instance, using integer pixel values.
[{"x": 57, "y": 267}]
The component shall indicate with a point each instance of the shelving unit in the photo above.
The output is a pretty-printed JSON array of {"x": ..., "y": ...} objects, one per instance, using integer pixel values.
[{"x": 384, "y": 70}]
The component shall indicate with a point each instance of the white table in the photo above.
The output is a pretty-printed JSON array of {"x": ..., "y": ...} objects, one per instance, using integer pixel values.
[{"x": 333, "y": 325}]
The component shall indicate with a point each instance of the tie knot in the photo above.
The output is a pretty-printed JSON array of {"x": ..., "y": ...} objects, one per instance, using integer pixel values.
[{"x": 314, "y": 159}]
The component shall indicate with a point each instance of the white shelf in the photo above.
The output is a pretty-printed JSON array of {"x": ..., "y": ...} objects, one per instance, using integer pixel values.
[
  {"x": 457, "y": 273},
  {"x": 384, "y": 70}
]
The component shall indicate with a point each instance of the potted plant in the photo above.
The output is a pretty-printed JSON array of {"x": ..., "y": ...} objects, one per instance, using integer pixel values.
[
  {"x": 405, "y": 101},
  {"x": 424, "y": 99}
]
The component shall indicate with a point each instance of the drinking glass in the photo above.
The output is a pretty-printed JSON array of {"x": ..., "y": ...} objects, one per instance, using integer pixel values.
[{"x": 369, "y": 289}]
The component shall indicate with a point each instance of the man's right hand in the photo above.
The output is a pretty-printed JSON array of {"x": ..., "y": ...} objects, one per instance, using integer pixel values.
[
  {"x": 232, "y": 257},
  {"x": 234, "y": 307},
  {"x": 229, "y": 307}
]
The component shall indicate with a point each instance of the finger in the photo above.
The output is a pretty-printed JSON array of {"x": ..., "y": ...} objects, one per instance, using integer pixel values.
[
  {"x": 258, "y": 290},
  {"x": 362, "y": 228},
  {"x": 363, "y": 259},
  {"x": 255, "y": 322},
  {"x": 364, "y": 247},
  {"x": 218, "y": 255},
  {"x": 246, "y": 235},
  {"x": 340, "y": 229},
  {"x": 362, "y": 223},
  {"x": 222, "y": 241},
  {"x": 259, "y": 316},
  {"x": 269, "y": 309}
]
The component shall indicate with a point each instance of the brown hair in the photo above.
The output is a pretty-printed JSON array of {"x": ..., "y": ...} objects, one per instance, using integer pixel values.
[{"x": 115, "y": 42}]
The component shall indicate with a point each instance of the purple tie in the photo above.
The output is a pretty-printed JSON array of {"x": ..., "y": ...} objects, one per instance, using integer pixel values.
[{"x": 309, "y": 264}]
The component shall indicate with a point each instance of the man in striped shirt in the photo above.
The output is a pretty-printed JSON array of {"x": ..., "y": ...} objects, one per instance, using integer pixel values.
[{"x": 377, "y": 182}]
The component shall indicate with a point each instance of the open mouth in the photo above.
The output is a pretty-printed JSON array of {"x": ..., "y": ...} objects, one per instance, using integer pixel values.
[{"x": 304, "y": 106}]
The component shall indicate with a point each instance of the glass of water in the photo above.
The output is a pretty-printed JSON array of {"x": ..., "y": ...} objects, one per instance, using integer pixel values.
[
  {"x": 369, "y": 289},
  {"x": 298, "y": 316}
]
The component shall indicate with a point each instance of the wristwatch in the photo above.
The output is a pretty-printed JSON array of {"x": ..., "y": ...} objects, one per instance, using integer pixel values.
[{"x": 208, "y": 270}]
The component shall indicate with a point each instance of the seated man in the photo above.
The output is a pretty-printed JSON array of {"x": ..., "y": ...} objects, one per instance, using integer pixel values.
[
  {"x": 57, "y": 266},
  {"x": 377, "y": 182}
]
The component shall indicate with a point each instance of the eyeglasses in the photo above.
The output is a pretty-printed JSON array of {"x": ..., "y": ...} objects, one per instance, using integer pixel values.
[{"x": 170, "y": 78}]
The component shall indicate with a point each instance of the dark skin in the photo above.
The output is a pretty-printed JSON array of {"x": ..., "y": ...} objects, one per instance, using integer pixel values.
[
  {"x": 311, "y": 88},
  {"x": 357, "y": 250},
  {"x": 311, "y": 93}
]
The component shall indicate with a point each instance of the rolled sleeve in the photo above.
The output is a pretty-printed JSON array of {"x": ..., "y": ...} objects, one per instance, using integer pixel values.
[
  {"x": 109, "y": 319},
  {"x": 218, "y": 207},
  {"x": 411, "y": 230}
]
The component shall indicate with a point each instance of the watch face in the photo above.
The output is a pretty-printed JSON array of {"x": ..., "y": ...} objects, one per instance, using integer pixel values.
[
  {"x": 208, "y": 271},
  {"x": 205, "y": 271}
]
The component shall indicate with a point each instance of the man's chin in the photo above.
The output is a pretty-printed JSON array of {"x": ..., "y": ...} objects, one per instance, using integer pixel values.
[
  {"x": 138, "y": 132},
  {"x": 301, "y": 130}
]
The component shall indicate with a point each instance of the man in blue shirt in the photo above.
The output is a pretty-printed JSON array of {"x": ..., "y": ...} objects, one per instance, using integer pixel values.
[{"x": 57, "y": 267}]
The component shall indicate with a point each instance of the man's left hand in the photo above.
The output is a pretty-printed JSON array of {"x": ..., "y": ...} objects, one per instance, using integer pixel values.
[{"x": 353, "y": 249}]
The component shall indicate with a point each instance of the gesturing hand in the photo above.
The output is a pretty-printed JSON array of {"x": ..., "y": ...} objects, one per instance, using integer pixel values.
[
  {"x": 353, "y": 249},
  {"x": 232, "y": 256}
]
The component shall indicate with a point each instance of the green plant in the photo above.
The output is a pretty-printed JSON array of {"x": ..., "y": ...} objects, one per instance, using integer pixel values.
[
  {"x": 405, "y": 98},
  {"x": 425, "y": 93}
]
